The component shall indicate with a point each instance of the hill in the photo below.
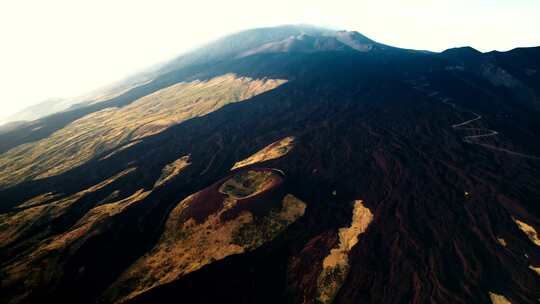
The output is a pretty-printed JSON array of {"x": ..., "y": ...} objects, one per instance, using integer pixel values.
[{"x": 291, "y": 164}]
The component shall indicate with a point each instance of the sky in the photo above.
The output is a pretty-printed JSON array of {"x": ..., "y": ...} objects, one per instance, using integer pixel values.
[{"x": 65, "y": 48}]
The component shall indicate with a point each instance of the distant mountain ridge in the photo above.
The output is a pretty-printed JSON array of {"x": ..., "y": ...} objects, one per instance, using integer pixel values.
[
  {"x": 239, "y": 44},
  {"x": 283, "y": 165},
  {"x": 286, "y": 38}
]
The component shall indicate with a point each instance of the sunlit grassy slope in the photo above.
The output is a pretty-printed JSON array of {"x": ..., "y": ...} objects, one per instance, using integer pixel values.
[
  {"x": 191, "y": 241},
  {"x": 274, "y": 150},
  {"x": 99, "y": 132},
  {"x": 40, "y": 251}
]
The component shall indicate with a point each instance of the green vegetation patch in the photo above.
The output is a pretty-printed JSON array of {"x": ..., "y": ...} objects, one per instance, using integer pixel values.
[{"x": 260, "y": 231}]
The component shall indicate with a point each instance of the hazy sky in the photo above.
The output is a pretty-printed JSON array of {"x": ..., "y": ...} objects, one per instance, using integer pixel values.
[{"x": 63, "y": 48}]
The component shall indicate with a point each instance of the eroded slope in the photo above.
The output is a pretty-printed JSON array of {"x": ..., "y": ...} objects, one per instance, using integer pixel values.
[
  {"x": 444, "y": 226},
  {"x": 99, "y": 132}
]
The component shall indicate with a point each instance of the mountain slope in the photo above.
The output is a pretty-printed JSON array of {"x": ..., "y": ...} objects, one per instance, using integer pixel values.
[
  {"x": 193, "y": 65},
  {"x": 112, "y": 128},
  {"x": 331, "y": 171}
]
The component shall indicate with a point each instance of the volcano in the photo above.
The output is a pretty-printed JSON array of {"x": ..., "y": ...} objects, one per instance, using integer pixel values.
[{"x": 292, "y": 164}]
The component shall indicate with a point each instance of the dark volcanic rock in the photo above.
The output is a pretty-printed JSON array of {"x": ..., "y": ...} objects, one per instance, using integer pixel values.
[{"x": 367, "y": 125}]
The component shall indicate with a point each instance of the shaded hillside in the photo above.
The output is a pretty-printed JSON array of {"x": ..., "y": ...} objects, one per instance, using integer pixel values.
[
  {"x": 341, "y": 184},
  {"x": 112, "y": 128},
  {"x": 200, "y": 64}
]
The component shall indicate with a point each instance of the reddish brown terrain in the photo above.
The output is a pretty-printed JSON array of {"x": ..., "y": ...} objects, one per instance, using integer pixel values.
[{"x": 300, "y": 165}]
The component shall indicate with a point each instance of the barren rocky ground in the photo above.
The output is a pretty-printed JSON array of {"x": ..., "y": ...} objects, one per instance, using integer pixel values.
[{"x": 310, "y": 170}]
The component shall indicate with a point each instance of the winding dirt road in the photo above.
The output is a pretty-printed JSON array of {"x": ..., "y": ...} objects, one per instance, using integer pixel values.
[{"x": 422, "y": 86}]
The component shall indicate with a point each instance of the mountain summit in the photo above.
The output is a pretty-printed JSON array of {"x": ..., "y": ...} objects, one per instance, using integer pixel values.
[{"x": 293, "y": 164}]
